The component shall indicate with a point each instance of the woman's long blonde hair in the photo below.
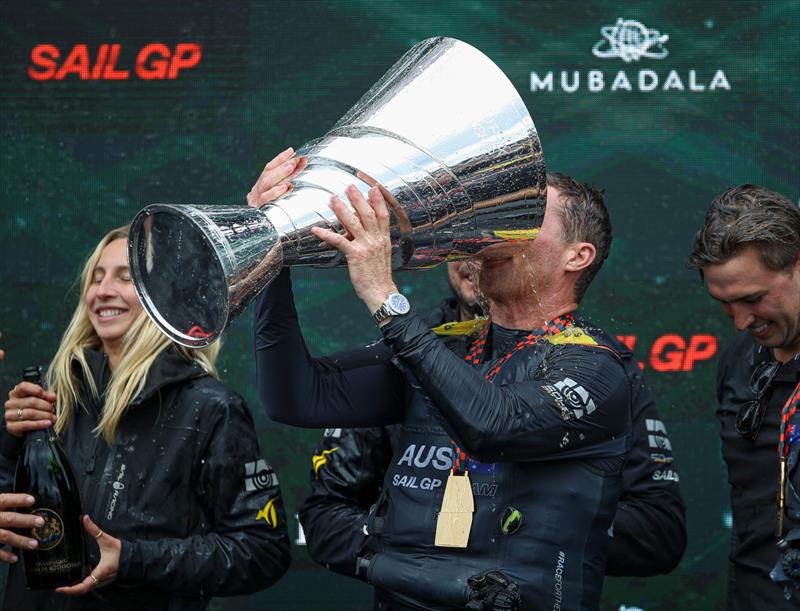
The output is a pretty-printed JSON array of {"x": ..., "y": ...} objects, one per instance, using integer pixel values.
[{"x": 142, "y": 344}]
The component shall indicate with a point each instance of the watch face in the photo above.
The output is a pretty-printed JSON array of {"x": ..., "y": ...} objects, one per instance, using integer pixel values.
[{"x": 399, "y": 304}]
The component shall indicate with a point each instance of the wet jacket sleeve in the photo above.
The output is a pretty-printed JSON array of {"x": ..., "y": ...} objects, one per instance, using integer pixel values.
[
  {"x": 536, "y": 419},
  {"x": 346, "y": 476},
  {"x": 649, "y": 533},
  {"x": 10, "y": 449},
  {"x": 248, "y": 546},
  {"x": 303, "y": 391}
]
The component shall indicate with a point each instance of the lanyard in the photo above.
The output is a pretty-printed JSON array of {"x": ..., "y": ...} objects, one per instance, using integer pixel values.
[
  {"x": 788, "y": 433},
  {"x": 787, "y": 429},
  {"x": 475, "y": 357}
]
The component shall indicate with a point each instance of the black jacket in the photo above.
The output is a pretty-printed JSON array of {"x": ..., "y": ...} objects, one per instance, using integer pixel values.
[
  {"x": 185, "y": 489},
  {"x": 348, "y": 467},
  {"x": 547, "y": 438},
  {"x": 753, "y": 475}
]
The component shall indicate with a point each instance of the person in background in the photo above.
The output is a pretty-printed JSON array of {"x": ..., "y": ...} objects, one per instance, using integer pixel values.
[
  {"x": 748, "y": 252},
  {"x": 349, "y": 466},
  {"x": 180, "y": 504}
]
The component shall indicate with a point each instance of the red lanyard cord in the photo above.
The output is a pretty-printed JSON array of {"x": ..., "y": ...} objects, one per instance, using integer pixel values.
[
  {"x": 789, "y": 435},
  {"x": 789, "y": 430},
  {"x": 475, "y": 357}
]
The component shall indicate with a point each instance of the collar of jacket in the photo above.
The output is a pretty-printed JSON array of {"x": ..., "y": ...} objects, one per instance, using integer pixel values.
[
  {"x": 169, "y": 368},
  {"x": 789, "y": 371}
]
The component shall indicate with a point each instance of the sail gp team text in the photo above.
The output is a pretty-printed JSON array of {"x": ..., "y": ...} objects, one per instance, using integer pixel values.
[
  {"x": 646, "y": 80},
  {"x": 439, "y": 458}
]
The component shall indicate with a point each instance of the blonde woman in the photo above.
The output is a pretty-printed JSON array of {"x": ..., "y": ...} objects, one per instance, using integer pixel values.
[{"x": 179, "y": 502}]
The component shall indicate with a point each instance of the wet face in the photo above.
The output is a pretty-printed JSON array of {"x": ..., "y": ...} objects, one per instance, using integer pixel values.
[
  {"x": 760, "y": 300},
  {"x": 518, "y": 269},
  {"x": 111, "y": 300}
]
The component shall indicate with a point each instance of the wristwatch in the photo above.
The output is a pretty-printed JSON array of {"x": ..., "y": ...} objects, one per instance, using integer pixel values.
[{"x": 395, "y": 305}]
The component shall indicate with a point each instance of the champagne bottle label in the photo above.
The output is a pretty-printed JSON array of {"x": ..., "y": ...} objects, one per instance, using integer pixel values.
[
  {"x": 49, "y": 568},
  {"x": 52, "y": 532}
]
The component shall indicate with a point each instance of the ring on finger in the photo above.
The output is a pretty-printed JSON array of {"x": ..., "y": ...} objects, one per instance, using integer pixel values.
[
  {"x": 94, "y": 579},
  {"x": 99, "y": 534},
  {"x": 19, "y": 413}
]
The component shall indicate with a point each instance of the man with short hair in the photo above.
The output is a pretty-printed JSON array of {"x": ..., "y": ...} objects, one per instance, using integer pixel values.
[
  {"x": 748, "y": 252},
  {"x": 534, "y": 423},
  {"x": 349, "y": 465}
]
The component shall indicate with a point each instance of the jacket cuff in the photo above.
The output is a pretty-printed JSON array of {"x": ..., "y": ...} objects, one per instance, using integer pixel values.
[
  {"x": 8, "y": 459},
  {"x": 10, "y": 445},
  {"x": 131, "y": 567},
  {"x": 407, "y": 334}
]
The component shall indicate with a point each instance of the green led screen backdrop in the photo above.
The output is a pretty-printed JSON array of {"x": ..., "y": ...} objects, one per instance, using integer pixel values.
[{"x": 108, "y": 106}]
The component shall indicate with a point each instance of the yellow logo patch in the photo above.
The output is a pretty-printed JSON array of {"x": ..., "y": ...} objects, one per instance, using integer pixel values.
[
  {"x": 268, "y": 513},
  {"x": 572, "y": 335},
  {"x": 321, "y": 459},
  {"x": 467, "y": 327}
]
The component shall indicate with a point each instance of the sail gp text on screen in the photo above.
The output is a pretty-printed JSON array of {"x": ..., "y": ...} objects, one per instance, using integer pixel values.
[
  {"x": 630, "y": 41},
  {"x": 154, "y": 61}
]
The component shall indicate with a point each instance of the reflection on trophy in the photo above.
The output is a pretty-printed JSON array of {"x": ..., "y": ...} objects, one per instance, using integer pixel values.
[{"x": 445, "y": 135}]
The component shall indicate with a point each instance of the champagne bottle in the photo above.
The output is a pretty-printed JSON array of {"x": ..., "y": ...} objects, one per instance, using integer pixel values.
[{"x": 44, "y": 472}]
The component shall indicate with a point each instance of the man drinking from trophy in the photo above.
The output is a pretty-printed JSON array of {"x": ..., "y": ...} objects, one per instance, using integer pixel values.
[
  {"x": 508, "y": 469},
  {"x": 508, "y": 475}
]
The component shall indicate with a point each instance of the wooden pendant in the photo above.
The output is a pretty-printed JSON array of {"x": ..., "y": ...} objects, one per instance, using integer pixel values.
[{"x": 455, "y": 517}]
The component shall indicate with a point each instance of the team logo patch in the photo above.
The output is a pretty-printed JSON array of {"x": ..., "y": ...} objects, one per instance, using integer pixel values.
[
  {"x": 572, "y": 397},
  {"x": 321, "y": 459},
  {"x": 269, "y": 513},
  {"x": 511, "y": 521},
  {"x": 259, "y": 476},
  {"x": 657, "y": 441},
  {"x": 657, "y": 437}
]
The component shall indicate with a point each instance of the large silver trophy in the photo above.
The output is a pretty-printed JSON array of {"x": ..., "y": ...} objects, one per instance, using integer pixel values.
[{"x": 444, "y": 133}]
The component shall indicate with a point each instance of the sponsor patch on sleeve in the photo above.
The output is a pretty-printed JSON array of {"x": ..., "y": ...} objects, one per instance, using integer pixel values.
[
  {"x": 657, "y": 435},
  {"x": 269, "y": 513},
  {"x": 321, "y": 459},
  {"x": 572, "y": 399},
  {"x": 259, "y": 475}
]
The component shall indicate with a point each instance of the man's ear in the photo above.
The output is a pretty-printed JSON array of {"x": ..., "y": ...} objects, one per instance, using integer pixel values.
[{"x": 580, "y": 256}]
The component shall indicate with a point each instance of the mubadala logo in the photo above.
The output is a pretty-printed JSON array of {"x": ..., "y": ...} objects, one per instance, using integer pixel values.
[{"x": 630, "y": 41}]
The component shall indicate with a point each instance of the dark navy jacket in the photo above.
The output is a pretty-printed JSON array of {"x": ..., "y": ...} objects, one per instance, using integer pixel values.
[
  {"x": 753, "y": 475},
  {"x": 183, "y": 487},
  {"x": 349, "y": 466},
  {"x": 548, "y": 438}
]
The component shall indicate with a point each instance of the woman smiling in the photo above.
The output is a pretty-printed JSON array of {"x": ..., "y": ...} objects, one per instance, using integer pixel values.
[{"x": 182, "y": 505}]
